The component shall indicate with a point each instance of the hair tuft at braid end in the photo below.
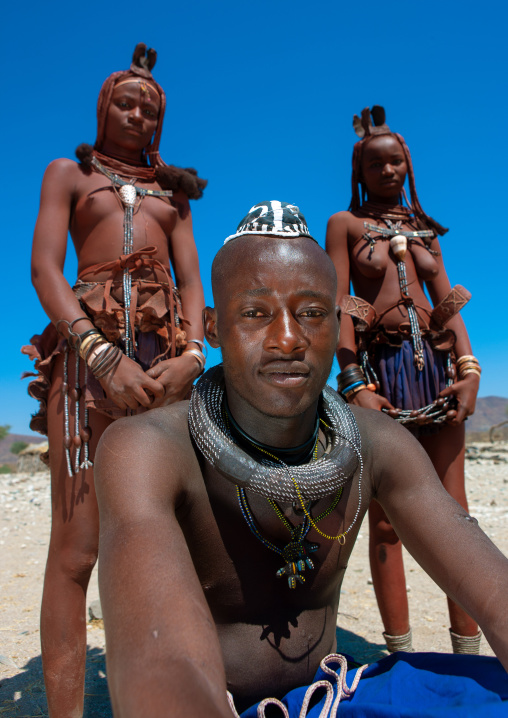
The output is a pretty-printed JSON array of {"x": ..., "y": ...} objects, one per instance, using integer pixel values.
[{"x": 84, "y": 153}]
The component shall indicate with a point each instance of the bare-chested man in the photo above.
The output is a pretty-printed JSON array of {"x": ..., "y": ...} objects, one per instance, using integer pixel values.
[
  {"x": 100, "y": 359},
  {"x": 219, "y": 570}
]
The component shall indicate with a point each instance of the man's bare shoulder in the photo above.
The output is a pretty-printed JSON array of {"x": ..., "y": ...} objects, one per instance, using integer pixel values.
[
  {"x": 388, "y": 449},
  {"x": 152, "y": 450},
  {"x": 153, "y": 431}
]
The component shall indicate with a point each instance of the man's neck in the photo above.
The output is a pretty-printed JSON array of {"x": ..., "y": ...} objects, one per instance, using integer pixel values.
[
  {"x": 296, "y": 455},
  {"x": 275, "y": 431}
]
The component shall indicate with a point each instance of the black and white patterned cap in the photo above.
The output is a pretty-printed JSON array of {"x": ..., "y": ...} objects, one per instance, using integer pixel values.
[{"x": 273, "y": 219}]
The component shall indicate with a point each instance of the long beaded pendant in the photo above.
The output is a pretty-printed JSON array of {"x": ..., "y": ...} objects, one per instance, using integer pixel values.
[
  {"x": 398, "y": 245},
  {"x": 127, "y": 194}
]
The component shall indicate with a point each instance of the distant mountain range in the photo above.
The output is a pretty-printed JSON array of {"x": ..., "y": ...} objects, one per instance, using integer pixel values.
[{"x": 490, "y": 410}]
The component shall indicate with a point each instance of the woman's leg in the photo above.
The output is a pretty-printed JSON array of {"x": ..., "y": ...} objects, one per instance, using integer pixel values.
[
  {"x": 387, "y": 567},
  {"x": 72, "y": 555},
  {"x": 447, "y": 450}
]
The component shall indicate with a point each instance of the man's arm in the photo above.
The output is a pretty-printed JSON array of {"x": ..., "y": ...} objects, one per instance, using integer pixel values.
[
  {"x": 163, "y": 653},
  {"x": 178, "y": 374},
  {"x": 445, "y": 540}
]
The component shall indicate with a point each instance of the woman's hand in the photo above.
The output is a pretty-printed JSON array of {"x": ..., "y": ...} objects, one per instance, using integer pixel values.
[
  {"x": 130, "y": 387},
  {"x": 176, "y": 376},
  {"x": 370, "y": 400},
  {"x": 465, "y": 392}
]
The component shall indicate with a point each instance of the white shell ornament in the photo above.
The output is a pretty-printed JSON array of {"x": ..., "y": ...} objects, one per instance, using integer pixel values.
[
  {"x": 128, "y": 195},
  {"x": 398, "y": 246}
]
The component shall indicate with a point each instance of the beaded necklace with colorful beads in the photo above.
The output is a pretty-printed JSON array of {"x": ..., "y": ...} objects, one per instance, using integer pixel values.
[{"x": 296, "y": 552}]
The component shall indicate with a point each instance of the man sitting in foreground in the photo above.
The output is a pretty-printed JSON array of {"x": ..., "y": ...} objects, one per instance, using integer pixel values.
[{"x": 227, "y": 525}]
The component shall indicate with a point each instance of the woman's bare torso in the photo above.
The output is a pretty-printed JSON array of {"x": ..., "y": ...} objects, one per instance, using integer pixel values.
[
  {"x": 96, "y": 226},
  {"x": 374, "y": 273}
]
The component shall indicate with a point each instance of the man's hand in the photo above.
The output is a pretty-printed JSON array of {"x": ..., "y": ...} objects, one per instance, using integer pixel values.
[
  {"x": 176, "y": 376},
  {"x": 130, "y": 387},
  {"x": 369, "y": 400},
  {"x": 465, "y": 392}
]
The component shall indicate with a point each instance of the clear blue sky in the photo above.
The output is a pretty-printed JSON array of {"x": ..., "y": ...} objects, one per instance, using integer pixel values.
[{"x": 260, "y": 100}]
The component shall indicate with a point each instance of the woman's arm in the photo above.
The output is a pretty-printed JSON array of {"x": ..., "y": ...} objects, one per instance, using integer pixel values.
[
  {"x": 177, "y": 375},
  {"x": 464, "y": 390},
  {"x": 338, "y": 250}
]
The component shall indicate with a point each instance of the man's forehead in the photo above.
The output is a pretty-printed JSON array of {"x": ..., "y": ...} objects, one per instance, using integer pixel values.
[
  {"x": 266, "y": 266},
  {"x": 271, "y": 291},
  {"x": 260, "y": 252}
]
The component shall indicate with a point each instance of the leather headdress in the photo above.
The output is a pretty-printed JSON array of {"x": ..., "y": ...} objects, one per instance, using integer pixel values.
[{"x": 363, "y": 126}]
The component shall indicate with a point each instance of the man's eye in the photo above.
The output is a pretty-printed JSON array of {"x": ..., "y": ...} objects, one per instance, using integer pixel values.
[
  {"x": 313, "y": 313},
  {"x": 253, "y": 313},
  {"x": 149, "y": 113}
]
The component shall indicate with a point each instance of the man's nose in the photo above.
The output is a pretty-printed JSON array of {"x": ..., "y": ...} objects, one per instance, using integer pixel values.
[
  {"x": 285, "y": 334},
  {"x": 388, "y": 170}
]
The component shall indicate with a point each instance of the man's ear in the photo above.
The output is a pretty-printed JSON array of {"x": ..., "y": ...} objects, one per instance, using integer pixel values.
[{"x": 210, "y": 327}]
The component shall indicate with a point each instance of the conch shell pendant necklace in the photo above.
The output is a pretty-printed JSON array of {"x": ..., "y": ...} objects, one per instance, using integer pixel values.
[
  {"x": 130, "y": 197},
  {"x": 398, "y": 244}
]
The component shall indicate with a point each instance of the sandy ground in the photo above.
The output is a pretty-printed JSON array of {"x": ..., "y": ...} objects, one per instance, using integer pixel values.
[{"x": 24, "y": 531}]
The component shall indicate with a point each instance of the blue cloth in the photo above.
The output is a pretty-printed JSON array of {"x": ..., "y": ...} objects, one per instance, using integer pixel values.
[
  {"x": 416, "y": 685},
  {"x": 401, "y": 383}
]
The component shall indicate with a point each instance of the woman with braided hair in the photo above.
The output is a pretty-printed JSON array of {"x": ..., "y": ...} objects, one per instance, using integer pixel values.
[
  {"x": 123, "y": 340},
  {"x": 398, "y": 352}
]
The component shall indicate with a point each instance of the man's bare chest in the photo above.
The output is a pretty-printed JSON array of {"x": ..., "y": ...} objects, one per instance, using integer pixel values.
[{"x": 245, "y": 552}]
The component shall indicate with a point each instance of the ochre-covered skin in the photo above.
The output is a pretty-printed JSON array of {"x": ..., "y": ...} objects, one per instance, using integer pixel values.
[
  {"x": 79, "y": 200},
  {"x": 384, "y": 167},
  {"x": 192, "y": 604}
]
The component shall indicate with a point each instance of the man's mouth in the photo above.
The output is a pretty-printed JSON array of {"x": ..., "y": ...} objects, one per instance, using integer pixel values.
[{"x": 286, "y": 373}]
